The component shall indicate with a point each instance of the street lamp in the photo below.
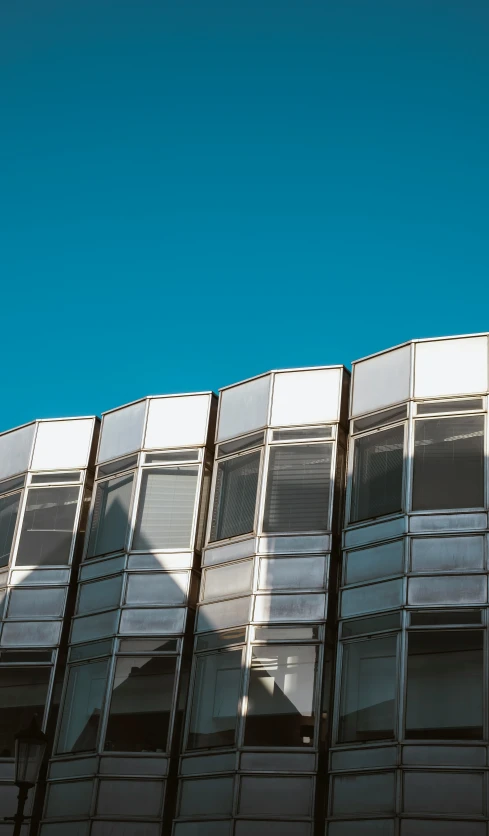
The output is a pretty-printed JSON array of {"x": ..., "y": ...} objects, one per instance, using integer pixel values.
[{"x": 30, "y": 745}]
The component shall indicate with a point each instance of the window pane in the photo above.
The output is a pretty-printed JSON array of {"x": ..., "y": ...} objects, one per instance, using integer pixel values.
[
  {"x": 235, "y": 497},
  {"x": 215, "y": 700},
  {"x": 298, "y": 485},
  {"x": 368, "y": 687},
  {"x": 47, "y": 527},
  {"x": 281, "y": 696},
  {"x": 110, "y": 515},
  {"x": 166, "y": 508},
  {"x": 23, "y": 693},
  {"x": 82, "y": 706},
  {"x": 140, "y": 709},
  {"x": 449, "y": 463},
  {"x": 9, "y": 505},
  {"x": 445, "y": 684},
  {"x": 377, "y": 474}
]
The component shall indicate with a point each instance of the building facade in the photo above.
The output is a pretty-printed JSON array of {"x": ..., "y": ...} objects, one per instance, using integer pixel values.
[{"x": 263, "y": 613}]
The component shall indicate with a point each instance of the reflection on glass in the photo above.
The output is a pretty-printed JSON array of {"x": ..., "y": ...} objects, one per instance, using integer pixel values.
[
  {"x": 449, "y": 463},
  {"x": 47, "y": 527},
  {"x": 23, "y": 693},
  {"x": 445, "y": 685},
  {"x": 166, "y": 508},
  {"x": 110, "y": 515},
  {"x": 281, "y": 696},
  {"x": 215, "y": 700},
  {"x": 297, "y": 497},
  {"x": 82, "y": 706},
  {"x": 235, "y": 496},
  {"x": 9, "y": 505},
  {"x": 368, "y": 687},
  {"x": 140, "y": 708},
  {"x": 377, "y": 474}
]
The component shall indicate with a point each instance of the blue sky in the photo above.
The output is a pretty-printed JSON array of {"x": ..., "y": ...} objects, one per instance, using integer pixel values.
[{"x": 194, "y": 192}]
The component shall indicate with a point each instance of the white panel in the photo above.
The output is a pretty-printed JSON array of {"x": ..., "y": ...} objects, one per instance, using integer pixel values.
[
  {"x": 15, "y": 451},
  {"x": 311, "y": 397},
  {"x": 122, "y": 431},
  {"x": 244, "y": 408},
  {"x": 450, "y": 367},
  {"x": 177, "y": 422},
  {"x": 381, "y": 381},
  {"x": 62, "y": 444}
]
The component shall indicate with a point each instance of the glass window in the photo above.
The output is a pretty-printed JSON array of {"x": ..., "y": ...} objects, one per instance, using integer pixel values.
[
  {"x": 82, "y": 707},
  {"x": 47, "y": 526},
  {"x": 298, "y": 484},
  {"x": 215, "y": 700},
  {"x": 281, "y": 696},
  {"x": 166, "y": 508},
  {"x": 445, "y": 685},
  {"x": 9, "y": 505},
  {"x": 377, "y": 474},
  {"x": 110, "y": 515},
  {"x": 449, "y": 463},
  {"x": 140, "y": 708},
  {"x": 23, "y": 693},
  {"x": 368, "y": 687},
  {"x": 235, "y": 496}
]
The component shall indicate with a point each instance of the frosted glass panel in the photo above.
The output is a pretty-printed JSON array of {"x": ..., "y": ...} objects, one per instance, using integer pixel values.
[
  {"x": 62, "y": 444},
  {"x": 177, "y": 422},
  {"x": 31, "y": 633},
  {"x": 375, "y": 562},
  {"x": 233, "y": 579},
  {"x": 292, "y": 573},
  {"x": 290, "y": 607},
  {"x": 414, "y": 827},
  {"x": 169, "y": 588},
  {"x": 211, "y": 796},
  {"x": 129, "y": 798},
  {"x": 381, "y": 381},
  {"x": 15, "y": 451},
  {"x": 277, "y": 796},
  {"x": 100, "y": 595},
  {"x": 364, "y": 793},
  {"x": 31, "y": 603},
  {"x": 450, "y": 367},
  {"x": 244, "y": 408},
  {"x": 72, "y": 798},
  {"x": 375, "y": 597},
  {"x": 152, "y": 621},
  {"x": 459, "y": 793},
  {"x": 223, "y": 614},
  {"x": 94, "y": 626},
  {"x": 306, "y": 397},
  {"x": 460, "y": 589},
  {"x": 446, "y": 554},
  {"x": 122, "y": 431}
]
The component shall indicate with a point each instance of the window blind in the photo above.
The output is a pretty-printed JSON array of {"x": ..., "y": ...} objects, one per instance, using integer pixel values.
[
  {"x": 298, "y": 488},
  {"x": 166, "y": 508},
  {"x": 235, "y": 496}
]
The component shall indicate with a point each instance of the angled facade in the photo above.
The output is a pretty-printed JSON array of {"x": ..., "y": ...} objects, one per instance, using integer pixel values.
[{"x": 258, "y": 614}]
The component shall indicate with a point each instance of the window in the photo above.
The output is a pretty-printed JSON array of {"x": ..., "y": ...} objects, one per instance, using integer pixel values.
[
  {"x": 449, "y": 463},
  {"x": 368, "y": 687},
  {"x": 235, "y": 496},
  {"x": 110, "y": 515},
  {"x": 166, "y": 508},
  {"x": 377, "y": 474},
  {"x": 297, "y": 497},
  {"x": 47, "y": 527},
  {"x": 140, "y": 709},
  {"x": 23, "y": 693},
  {"x": 215, "y": 700},
  {"x": 445, "y": 685},
  {"x": 9, "y": 506},
  {"x": 281, "y": 696},
  {"x": 82, "y": 707}
]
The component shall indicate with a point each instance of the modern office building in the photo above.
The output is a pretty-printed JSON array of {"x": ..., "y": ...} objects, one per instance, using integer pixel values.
[{"x": 258, "y": 615}]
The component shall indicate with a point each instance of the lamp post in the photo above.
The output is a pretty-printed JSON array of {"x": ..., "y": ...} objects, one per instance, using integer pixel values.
[{"x": 30, "y": 745}]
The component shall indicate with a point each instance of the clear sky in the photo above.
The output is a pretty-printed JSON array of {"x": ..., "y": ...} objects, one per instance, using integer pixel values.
[{"x": 195, "y": 191}]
